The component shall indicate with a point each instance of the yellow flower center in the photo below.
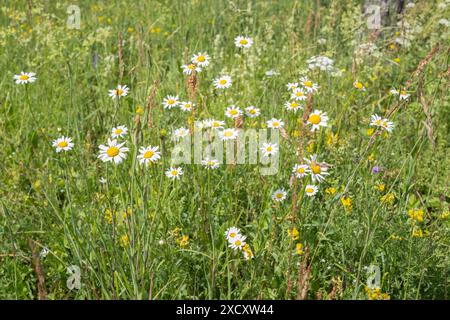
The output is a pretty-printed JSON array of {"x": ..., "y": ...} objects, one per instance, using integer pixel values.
[
  {"x": 191, "y": 66},
  {"x": 315, "y": 168},
  {"x": 215, "y": 124},
  {"x": 222, "y": 82},
  {"x": 279, "y": 195},
  {"x": 201, "y": 58},
  {"x": 112, "y": 151},
  {"x": 228, "y": 133},
  {"x": 233, "y": 112},
  {"x": 308, "y": 83},
  {"x": 269, "y": 149},
  {"x": 243, "y": 42},
  {"x": 299, "y": 93},
  {"x": 232, "y": 235},
  {"x": 238, "y": 243},
  {"x": 314, "y": 119},
  {"x": 24, "y": 77},
  {"x": 119, "y": 92},
  {"x": 63, "y": 144},
  {"x": 252, "y": 111},
  {"x": 358, "y": 85},
  {"x": 403, "y": 93},
  {"x": 174, "y": 172},
  {"x": 275, "y": 124},
  {"x": 170, "y": 101},
  {"x": 309, "y": 190},
  {"x": 118, "y": 131},
  {"x": 148, "y": 154},
  {"x": 187, "y": 106},
  {"x": 301, "y": 170}
]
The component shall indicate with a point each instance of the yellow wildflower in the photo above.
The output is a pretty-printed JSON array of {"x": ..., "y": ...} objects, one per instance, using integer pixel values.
[{"x": 293, "y": 233}]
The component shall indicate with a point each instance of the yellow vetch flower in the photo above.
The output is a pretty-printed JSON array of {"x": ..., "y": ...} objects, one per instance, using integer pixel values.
[
  {"x": 330, "y": 191},
  {"x": 299, "y": 248},
  {"x": 376, "y": 294},
  {"x": 183, "y": 241},
  {"x": 444, "y": 215},
  {"x": 388, "y": 199},
  {"x": 380, "y": 187},
  {"x": 416, "y": 214},
  {"x": 293, "y": 233},
  {"x": 347, "y": 203},
  {"x": 370, "y": 131},
  {"x": 139, "y": 110},
  {"x": 124, "y": 240}
]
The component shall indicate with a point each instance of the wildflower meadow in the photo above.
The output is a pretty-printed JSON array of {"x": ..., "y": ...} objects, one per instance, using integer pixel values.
[{"x": 206, "y": 149}]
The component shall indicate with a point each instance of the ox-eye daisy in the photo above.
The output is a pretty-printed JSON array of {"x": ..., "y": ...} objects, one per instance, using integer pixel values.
[
  {"x": 300, "y": 170},
  {"x": 238, "y": 242},
  {"x": 113, "y": 151},
  {"x": 275, "y": 123},
  {"x": 229, "y": 134},
  {"x": 120, "y": 91},
  {"x": 311, "y": 190},
  {"x": 119, "y": 132},
  {"x": 233, "y": 112},
  {"x": 317, "y": 119},
  {"x": 174, "y": 173},
  {"x": 214, "y": 124},
  {"x": 232, "y": 233},
  {"x": 148, "y": 154},
  {"x": 318, "y": 171},
  {"x": 243, "y": 42},
  {"x": 309, "y": 85},
  {"x": 170, "y": 101},
  {"x": 186, "y": 105},
  {"x": 375, "y": 120},
  {"x": 292, "y": 86},
  {"x": 180, "y": 133},
  {"x": 279, "y": 195},
  {"x": 63, "y": 144},
  {"x": 210, "y": 163},
  {"x": 252, "y": 112},
  {"x": 298, "y": 94},
  {"x": 222, "y": 82},
  {"x": 269, "y": 149},
  {"x": 404, "y": 95},
  {"x": 387, "y": 125},
  {"x": 201, "y": 59},
  {"x": 25, "y": 77},
  {"x": 292, "y": 106},
  {"x": 189, "y": 68}
]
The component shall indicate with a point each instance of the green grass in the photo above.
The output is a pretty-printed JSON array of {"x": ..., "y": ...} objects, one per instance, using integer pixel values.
[{"x": 57, "y": 201}]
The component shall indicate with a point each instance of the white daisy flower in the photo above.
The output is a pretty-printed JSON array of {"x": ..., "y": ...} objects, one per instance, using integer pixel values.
[
  {"x": 102, "y": 180},
  {"x": 404, "y": 95},
  {"x": 298, "y": 94},
  {"x": 148, "y": 154},
  {"x": 387, "y": 125},
  {"x": 180, "y": 133},
  {"x": 120, "y": 91},
  {"x": 233, "y": 112},
  {"x": 317, "y": 119},
  {"x": 174, "y": 173},
  {"x": 375, "y": 120},
  {"x": 210, "y": 163},
  {"x": 63, "y": 144},
  {"x": 170, "y": 101},
  {"x": 279, "y": 195},
  {"x": 292, "y": 106},
  {"x": 222, "y": 82},
  {"x": 232, "y": 233},
  {"x": 292, "y": 86},
  {"x": 189, "y": 68},
  {"x": 25, "y": 77},
  {"x": 309, "y": 85},
  {"x": 214, "y": 124},
  {"x": 186, "y": 106},
  {"x": 238, "y": 242},
  {"x": 301, "y": 170},
  {"x": 229, "y": 134},
  {"x": 247, "y": 254},
  {"x": 113, "y": 151},
  {"x": 317, "y": 171},
  {"x": 243, "y": 42},
  {"x": 269, "y": 149},
  {"x": 252, "y": 112},
  {"x": 394, "y": 91},
  {"x": 201, "y": 59},
  {"x": 275, "y": 123},
  {"x": 311, "y": 190},
  {"x": 119, "y": 132}
]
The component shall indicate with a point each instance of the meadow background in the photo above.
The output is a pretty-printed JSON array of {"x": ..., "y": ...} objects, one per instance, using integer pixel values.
[{"x": 166, "y": 240}]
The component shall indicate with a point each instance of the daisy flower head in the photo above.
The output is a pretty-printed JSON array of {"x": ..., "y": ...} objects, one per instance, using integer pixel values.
[
  {"x": 292, "y": 106},
  {"x": 311, "y": 190},
  {"x": 113, "y": 151},
  {"x": 148, "y": 155},
  {"x": 214, "y": 124},
  {"x": 394, "y": 91},
  {"x": 120, "y": 91},
  {"x": 222, "y": 82},
  {"x": 210, "y": 163},
  {"x": 269, "y": 149},
  {"x": 317, "y": 119},
  {"x": 404, "y": 95},
  {"x": 387, "y": 125},
  {"x": 292, "y": 86},
  {"x": 188, "y": 69},
  {"x": 300, "y": 170},
  {"x": 275, "y": 123},
  {"x": 318, "y": 172},
  {"x": 248, "y": 254},
  {"x": 243, "y": 42},
  {"x": 279, "y": 195},
  {"x": 233, "y": 112},
  {"x": 238, "y": 242},
  {"x": 25, "y": 77},
  {"x": 119, "y": 132},
  {"x": 252, "y": 112},
  {"x": 180, "y": 133},
  {"x": 186, "y": 106},
  {"x": 358, "y": 85},
  {"x": 375, "y": 120},
  {"x": 174, "y": 173},
  {"x": 201, "y": 59},
  {"x": 63, "y": 144},
  {"x": 229, "y": 134},
  {"x": 298, "y": 94},
  {"x": 309, "y": 86},
  {"x": 170, "y": 101},
  {"x": 232, "y": 233}
]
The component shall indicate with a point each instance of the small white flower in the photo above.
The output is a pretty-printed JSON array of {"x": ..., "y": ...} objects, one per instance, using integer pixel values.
[
  {"x": 148, "y": 155},
  {"x": 180, "y": 133},
  {"x": 275, "y": 123},
  {"x": 301, "y": 170},
  {"x": 102, "y": 180},
  {"x": 298, "y": 94},
  {"x": 120, "y": 91},
  {"x": 309, "y": 85},
  {"x": 252, "y": 112},
  {"x": 317, "y": 119},
  {"x": 119, "y": 132},
  {"x": 292, "y": 106},
  {"x": 232, "y": 233},
  {"x": 269, "y": 149},
  {"x": 170, "y": 101},
  {"x": 187, "y": 106},
  {"x": 279, "y": 195},
  {"x": 404, "y": 95},
  {"x": 233, "y": 112},
  {"x": 189, "y": 68},
  {"x": 238, "y": 242},
  {"x": 174, "y": 173},
  {"x": 228, "y": 134},
  {"x": 210, "y": 163},
  {"x": 311, "y": 190},
  {"x": 243, "y": 42},
  {"x": 201, "y": 59},
  {"x": 292, "y": 86},
  {"x": 63, "y": 144},
  {"x": 214, "y": 124},
  {"x": 25, "y": 77},
  {"x": 113, "y": 151},
  {"x": 318, "y": 172},
  {"x": 222, "y": 82}
]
